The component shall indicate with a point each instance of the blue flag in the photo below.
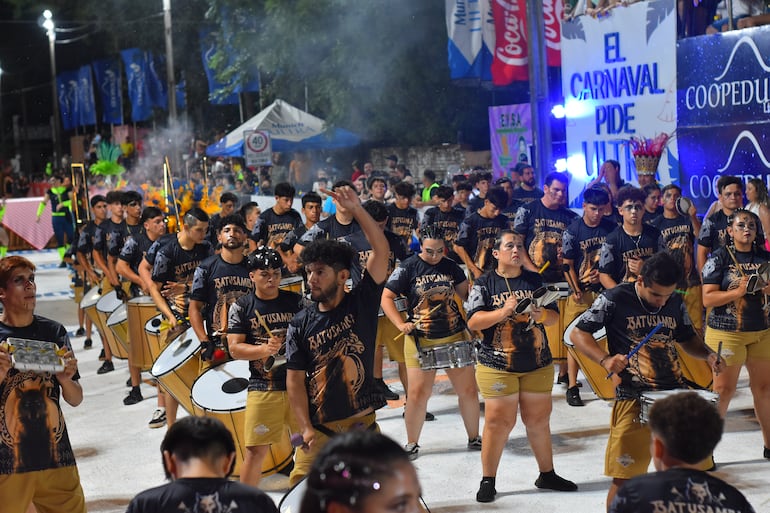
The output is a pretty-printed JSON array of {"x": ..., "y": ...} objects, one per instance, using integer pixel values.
[
  {"x": 86, "y": 97},
  {"x": 156, "y": 80},
  {"x": 109, "y": 82},
  {"x": 181, "y": 95},
  {"x": 67, "y": 90},
  {"x": 247, "y": 83},
  {"x": 136, "y": 76}
]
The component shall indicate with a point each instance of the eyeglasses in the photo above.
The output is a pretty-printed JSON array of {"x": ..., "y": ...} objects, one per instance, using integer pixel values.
[
  {"x": 631, "y": 208},
  {"x": 433, "y": 252},
  {"x": 743, "y": 226}
]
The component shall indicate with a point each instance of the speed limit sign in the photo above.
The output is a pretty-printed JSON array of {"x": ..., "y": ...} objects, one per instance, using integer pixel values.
[{"x": 257, "y": 147}]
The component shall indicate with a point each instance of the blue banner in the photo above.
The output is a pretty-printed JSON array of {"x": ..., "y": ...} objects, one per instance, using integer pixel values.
[
  {"x": 136, "y": 77},
  {"x": 156, "y": 80},
  {"x": 723, "y": 110},
  {"x": 67, "y": 90},
  {"x": 181, "y": 95},
  {"x": 108, "y": 78},
  {"x": 247, "y": 84},
  {"x": 86, "y": 97}
]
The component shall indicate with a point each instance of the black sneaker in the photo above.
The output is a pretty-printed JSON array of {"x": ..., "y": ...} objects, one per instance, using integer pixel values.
[
  {"x": 158, "y": 419},
  {"x": 563, "y": 379},
  {"x": 412, "y": 450},
  {"x": 552, "y": 481},
  {"x": 101, "y": 355},
  {"x": 133, "y": 397},
  {"x": 486, "y": 491},
  {"x": 429, "y": 417},
  {"x": 62, "y": 265},
  {"x": 766, "y": 454},
  {"x": 389, "y": 394},
  {"x": 128, "y": 382},
  {"x": 106, "y": 367},
  {"x": 573, "y": 397},
  {"x": 80, "y": 332},
  {"x": 474, "y": 444},
  {"x": 88, "y": 344}
]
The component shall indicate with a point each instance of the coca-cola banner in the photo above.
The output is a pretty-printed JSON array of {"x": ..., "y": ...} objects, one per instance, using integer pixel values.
[
  {"x": 510, "y": 60},
  {"x": 552, "y": 13},
  {"x": 618, "y": 82},
  {"x": 510, "y": 134}
]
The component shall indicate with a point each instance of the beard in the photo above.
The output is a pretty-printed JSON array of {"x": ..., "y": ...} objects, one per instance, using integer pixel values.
[{"x": 324, "y": 295}]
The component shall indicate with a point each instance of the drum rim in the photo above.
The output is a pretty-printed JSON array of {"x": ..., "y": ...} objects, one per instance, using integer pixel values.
[
  {"x": 290, "y": 279},
  {"x": 116, "y": 312},
  {"x": 106, "y": 296},
  {"x": 86, "y": 296},
  {"x": 142, "y": 300}
]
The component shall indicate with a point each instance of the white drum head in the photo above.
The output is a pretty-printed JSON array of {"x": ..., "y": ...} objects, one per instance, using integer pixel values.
[
  {"x": 90, "y": 298},
  {"x": 290, "y": 280},
  {"x": 601, "y": 333},
  {"x": 142, "y": 300},
  {"x": 153, "y": 325},
  {"x": 222, "y": 388},
  {"x": 119, "y": 315},
  {"x": 291, "y": 501},
  {"x": 178, "y": 351},
  {"x": 109, "y": 302}
]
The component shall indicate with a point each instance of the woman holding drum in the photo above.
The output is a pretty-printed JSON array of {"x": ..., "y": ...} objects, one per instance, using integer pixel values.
[
  {"x": 435, "y": 334},
  {"x": 515, "y": 368},
  {"x": 738, "y": 322}
]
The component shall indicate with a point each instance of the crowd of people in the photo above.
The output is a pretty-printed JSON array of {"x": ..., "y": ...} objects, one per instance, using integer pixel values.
[{"x": 480, "y": 279}]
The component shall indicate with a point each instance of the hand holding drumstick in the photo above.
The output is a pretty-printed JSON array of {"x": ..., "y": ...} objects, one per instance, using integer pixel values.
[{"x": 408, "y": 327}]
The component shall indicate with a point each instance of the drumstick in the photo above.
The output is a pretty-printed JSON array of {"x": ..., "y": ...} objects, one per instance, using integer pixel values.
[
  {"x": 719, "y": 351},
  {"x": 430, "y": 312},
  {"x": 263, "y": 323},
  {"x": 545, "y": 266},
  {"x": 737, "y": 265},
  {"x": 635, "y": 350}
]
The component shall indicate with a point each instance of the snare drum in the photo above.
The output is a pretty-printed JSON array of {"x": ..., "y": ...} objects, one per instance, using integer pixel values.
[
  {"x": 292, "y": 284},
  {"x": 221, "y": 392},
  {"x": 117, "y": 322},
  {"x": 155, "y": 335},
  {"x": 177, "y": 367},
  {"x": 140, "y": 310},
  {"x": 106, "y": 305},
  {"x": 448, "y": 356},
  {"x": 648, "y": 398},
  {"x": 401, "y": 305},
  {"x": 291, "y": 502},
  {"x": 595, "y": 374}
]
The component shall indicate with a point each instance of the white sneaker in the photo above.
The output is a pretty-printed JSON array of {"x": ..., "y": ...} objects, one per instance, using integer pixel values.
[{"x": 158, "y": 418}]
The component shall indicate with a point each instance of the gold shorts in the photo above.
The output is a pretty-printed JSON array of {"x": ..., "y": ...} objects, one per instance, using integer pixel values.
[
  {"x": 410, "y": 348},
  {"x": 628, "y": 446},
  {"x": 572, "y": 308},
  {"x": 53, "y": 491},
  {"x": 496, "y": 383},
  {"x": 268, "y": 416},
  {"x": 555, "y": 333},
  {"x": 303, "y": 460},
  {"x": 387, "y": 335},
  {"x": 739, "y": 347}
]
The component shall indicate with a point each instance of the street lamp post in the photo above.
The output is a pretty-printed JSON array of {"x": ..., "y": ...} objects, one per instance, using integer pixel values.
[{"x": 50, "y": 28}]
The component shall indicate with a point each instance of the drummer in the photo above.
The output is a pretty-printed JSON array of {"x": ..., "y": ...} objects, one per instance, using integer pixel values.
[
  {"x": 311, "y": 209},
  {"x": 543, "y": 223},
  {"x": 478, "y": 231},
  {"x": 100, "y": 258},
  {"x": 131, "y": 255},
  {"x": 274, "y": 223},
  {"x": 172, "y": 273},
  {"x": 515, "y": 369},
  {"x": 268, "y": 413},
  {"x": 581, "y": 244},
  {"x": 132, "y": 226},
  {"x": 430, "y": 282},
  {"x": 738, "y": 316},
  {"x": 629, "y": 312},
  {"x": 218, "y": 281},
  {"x": 84, "y": 253}
]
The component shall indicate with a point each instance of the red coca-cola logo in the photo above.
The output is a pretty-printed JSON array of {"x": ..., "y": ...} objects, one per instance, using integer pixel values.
[
  {"x": 552, "y": 13},
  {"x": 511, "y": 43}
]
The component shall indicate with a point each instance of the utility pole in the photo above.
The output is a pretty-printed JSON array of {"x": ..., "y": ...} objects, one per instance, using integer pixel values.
[
  {"x": 538, "y": 88},
  {"x": 50, "y": 27}
]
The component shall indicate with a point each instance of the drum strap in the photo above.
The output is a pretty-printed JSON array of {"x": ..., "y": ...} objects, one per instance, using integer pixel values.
[{"x": 331, "y": 433}]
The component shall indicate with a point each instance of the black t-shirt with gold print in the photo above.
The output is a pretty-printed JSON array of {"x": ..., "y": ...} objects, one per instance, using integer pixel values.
[
  {"x": 543, "y": 229},
  {"x": 173, "y": 263},
  {"x": 477, "y": 236},
  {"x": 509, "y": 345},
  {"x": 656, "y": 366},
  {"x": 430, "y": 290},
  {"x": 403, "y": 222},
  {"x": 620, "y": 247},
  {"x": 218, "y": 284}
]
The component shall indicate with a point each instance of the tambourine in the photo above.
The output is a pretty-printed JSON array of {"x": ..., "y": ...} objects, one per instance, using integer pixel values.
[
  {"x": 35, "y": 355},
  {"x": 683, "y": 206},
  {"x": 275, "y": 361}
]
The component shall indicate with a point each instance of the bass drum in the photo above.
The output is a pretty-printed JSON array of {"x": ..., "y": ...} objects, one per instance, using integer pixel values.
[
  {"x": 221, "y": 392},
  {"x": 291, "y": 502},
  {"x": 117, "y": 322},
  {"x": 140, "y": 310},
  {"x": 595, "y": 374},
  {"x": 106, "y": 305},
  {"x": 177, "y": 367},
  {"x": 88, "y": 305}
]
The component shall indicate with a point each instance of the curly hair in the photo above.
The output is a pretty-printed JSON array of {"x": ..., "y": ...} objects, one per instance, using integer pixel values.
[{"x": 333, "y": 253}]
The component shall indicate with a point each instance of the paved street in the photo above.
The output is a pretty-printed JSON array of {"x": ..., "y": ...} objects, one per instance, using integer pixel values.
[{"x": 118, "y": 455}]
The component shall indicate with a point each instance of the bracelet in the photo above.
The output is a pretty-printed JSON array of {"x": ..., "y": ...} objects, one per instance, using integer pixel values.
[{"x": 601, "y": 362}]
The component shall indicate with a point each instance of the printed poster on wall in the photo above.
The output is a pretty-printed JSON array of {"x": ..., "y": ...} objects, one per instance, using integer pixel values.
[
  {"x": 510, "y": 129},
  {"x": 618, "y": 82}
]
